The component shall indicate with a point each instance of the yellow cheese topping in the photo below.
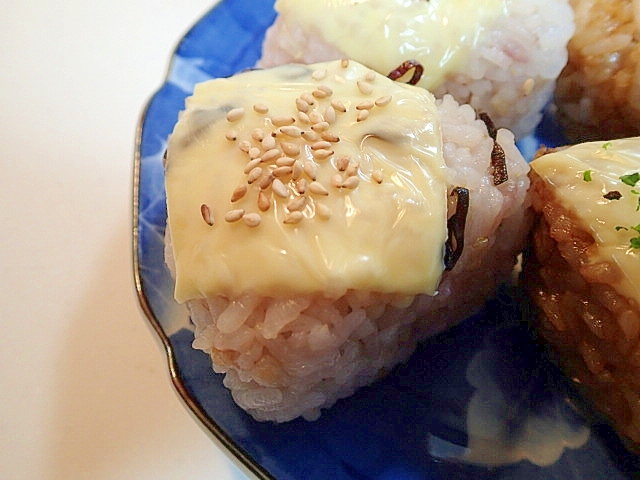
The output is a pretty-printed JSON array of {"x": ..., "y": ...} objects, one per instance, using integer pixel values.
[
  {"x": 582, "y": 175},
  {"x": 439, "y": 34},
  {"x": 307, "y": 179}
]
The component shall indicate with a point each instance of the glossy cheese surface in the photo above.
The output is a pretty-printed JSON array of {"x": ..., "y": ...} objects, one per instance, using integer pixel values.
[
  {"x": 581, "y": 176},
  {"x": 345, "y": 185},
  {"x": 439, "y": 34}
]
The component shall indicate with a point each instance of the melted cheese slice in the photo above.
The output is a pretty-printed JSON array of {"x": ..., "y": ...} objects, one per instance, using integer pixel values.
[
  {"x": 606, "y": 163},
  {"x": 439, "y": 34},
  {"x": 385, "y": 234}
]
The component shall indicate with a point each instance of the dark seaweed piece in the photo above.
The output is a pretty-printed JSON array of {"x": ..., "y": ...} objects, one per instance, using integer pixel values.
[
  {"x": 456, "y": 225},
  {"x": 404, "y": 68},
  {"x": 498, "y": 158}
]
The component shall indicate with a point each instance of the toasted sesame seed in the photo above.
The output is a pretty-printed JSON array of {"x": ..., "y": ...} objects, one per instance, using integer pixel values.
[
  {"x": 320, "y": 144},
  {"x": 271, "y": 155},
  {"x": 252, "y": 219},
  {"x": 282, "y": 171},
  {"x": 322, "y": 153},
  {"x": 290, "y": 149},
  {"x": 320, "y": 126},
  {"x": 330, "y": 137},
  {"x": 344, "y": 63},
  {"x": 303, "y": 117},
  {"x": 527, "y": 86},
  {"x": 342, "y": 162},
  {"x": 263, "y": 201},
  {"x": 377, "y": 176},
  {"x": 370, "y": 76},
  {"x": 279, "y": 188},
  {"x": 311, "y": 136},
  {"x": 238, "y": 193},
  {"x": 301, "y": 186},
  {"x": 285, "y": 161},
  {"x": 336, "y": 180},
  {"x": 319, "y": 74},
  {"x": 365, "y": 87},
  {"x": 291, "y": 131},
  {"x": 323, "y": 211},
  {"x": 302, "y": 105},
  {"x": 318, "y": 188},
  {"x": 308, "y": 98},
  {"x": 254, "y": 174},
  {"x": 207, "y": 216},
  {"x": 315, "y": 117},
  {"x": 296, "y": 203},
  {"x": 330, "y": 114},
  {"x": 254, "y": 152},
  {"x": 297, "y": 169},
  {"x": 383, "y": 101},
  {"x": 268, "y": 143},
  {"x": 293, "y": 217},
  {"x": 251, "y": 164},
  {"x": 311, "y": 169},
  {"x": 260, "y": 108},
  {"x": 245, "y": 146},
  {"x": 281, "y": 121},
  {"x": 257, "y": 134},
  {"x": 351, "y": 182},
  {"x": 362, "y": 115},
  {"x": 366, "y": 105},
  {"x": 338, "y": 106},
  {"x": 235, "y": 114},
  {"x": 231, "y": 135},
  {"x": 234, "y": 215},
  {"x": 265, "y": 182}
]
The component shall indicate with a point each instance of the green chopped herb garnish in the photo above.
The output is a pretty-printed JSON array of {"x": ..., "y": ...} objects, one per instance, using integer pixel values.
[
  {"x": 636, "y": 228},
  {"x": 631, "y": 179},
  {"x": 586, "y": 176},
  {"x": 635, "y": 242},
  {"x": 606, "y": 145},
  {"x": 620, "y": 227}
]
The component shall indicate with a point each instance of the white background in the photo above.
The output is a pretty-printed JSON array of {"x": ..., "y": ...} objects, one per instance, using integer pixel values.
[{"x": 84, "y": 387}]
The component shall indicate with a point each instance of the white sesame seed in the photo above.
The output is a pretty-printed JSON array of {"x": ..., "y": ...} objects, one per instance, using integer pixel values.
[
  {"x": 362, "y": 115},
  {"x": 527, "y": 86},
  {"x": 260, "y": 108},
  {"x": 290, "y": 149},
  {"x": 254, "y": 174},
  {"x": 257, "y": 134},
  {"x": 297, "y": 170},
  {"x": 311, "y": 169},
  {"x": 322, "y": 92},
  {"x": 383, "y": 101},
  {"x": 365, "y": 87},
  {"x": 251, "y": 219},
  {"x": 322, "y": 153},
  {"x": 315, "y": 116},
  {"x": 377, "y": 176},
  {"x": 311, "y": 136},
  {"x": 330, "y": 137},
  {"x": 308, "y": 98},
  {"x": 265, "y": 182},
  {"x": 319, "y": 74},
  {"x": 285, "y": 161},
  {"x": 282, "y": 171},
  {"x": 296, "y": 203},
  {"x": 291, "y": 131},
  {"x": 370, "y": 76},
  {"x": 320, "y": 144},
  {"x": 301, "y": 186},
  {"x": 254, "y": 152},
  {"x": 330, "y": 115},
  {"x": 320, "y": 126},
  {"x": 251, "y": 164},
  {"x": 338, "y": 106},
  {"x": 279, "y": 188},
  {"x": 271, "y": 155},
  {"x": 231, "y": 135},
  {"x": 344, "y": 63},
  {"x": 281, "y": 121},
  {"x": 366, "y": 105},
  {"x": 293, "y": 217},
  {"x": 303, "y": 117},
  {"x": 342, "y": 162},
  {"x": 336, "y": 180},
  {"x": 318, "y": 188},
  {"x": 235, "y": 114},
  {"x": 268, "y": 142},
  {"x": 352, "y": 169},
  {"x": 323, "y": 211},
  {"x": 351, "y": 182},
  {"x": 238, "y": 193},
  {"x": 263, "y": 201},
  {"x": 302, "y": 105},
  {"x": 207, "y": 216},
  {"x": 245, "y": 146},
  {"x": 234, "y": 215}
]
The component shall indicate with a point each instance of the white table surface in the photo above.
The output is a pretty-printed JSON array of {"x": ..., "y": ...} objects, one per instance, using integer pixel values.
[{"x": 84, "y": 388}]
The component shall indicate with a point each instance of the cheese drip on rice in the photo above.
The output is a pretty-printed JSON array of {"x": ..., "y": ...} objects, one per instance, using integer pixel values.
[{"x": 323, "y": 219}]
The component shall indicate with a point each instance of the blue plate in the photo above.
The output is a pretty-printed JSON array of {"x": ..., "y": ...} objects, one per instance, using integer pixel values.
[{"x": 479, "y": 401}]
